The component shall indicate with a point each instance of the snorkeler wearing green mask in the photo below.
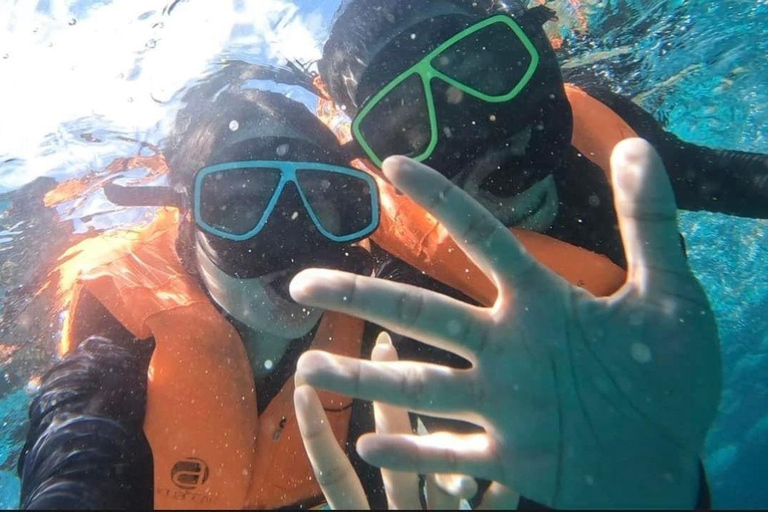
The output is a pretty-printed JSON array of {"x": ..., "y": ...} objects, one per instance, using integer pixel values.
[{"x": 474, "y": 90}]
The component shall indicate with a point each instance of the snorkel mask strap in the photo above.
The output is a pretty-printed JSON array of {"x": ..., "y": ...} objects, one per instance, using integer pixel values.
[
  {"x": 539, "y": 15},
  {"x": 352, "y": 150},
  {"x": 163, "y": 196},
  {"x": 146, "y": 196}
]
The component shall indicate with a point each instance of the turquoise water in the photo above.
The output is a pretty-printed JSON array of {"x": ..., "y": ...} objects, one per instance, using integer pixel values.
[{"x": 93, "y": 81}]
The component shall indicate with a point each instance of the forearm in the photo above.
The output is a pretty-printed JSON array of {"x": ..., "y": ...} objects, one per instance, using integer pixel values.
[
  {"x": 703, "y": 498},
  {"x": 724, "y": 181},
  {"x": 86, "y": 447},
  {"x": 715, "y": 180}
]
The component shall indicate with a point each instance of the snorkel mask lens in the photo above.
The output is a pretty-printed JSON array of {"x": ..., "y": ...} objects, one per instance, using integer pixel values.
[
  {"x": 234, "y": 201},
  {"x": 492, "y": 61}
]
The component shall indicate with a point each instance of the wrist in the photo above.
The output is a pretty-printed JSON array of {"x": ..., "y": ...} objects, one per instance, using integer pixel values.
[{"x": 670, "y": 483}]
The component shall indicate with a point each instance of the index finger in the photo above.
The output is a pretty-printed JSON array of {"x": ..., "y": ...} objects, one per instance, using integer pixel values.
[
  {"x": 402, "y": 488},
  {"x": 332, "y": 468},
  {"x": 486, "y": 241}
]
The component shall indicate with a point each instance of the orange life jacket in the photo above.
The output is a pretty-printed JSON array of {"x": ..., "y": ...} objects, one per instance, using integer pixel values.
[{"x": 210, "y": 449}]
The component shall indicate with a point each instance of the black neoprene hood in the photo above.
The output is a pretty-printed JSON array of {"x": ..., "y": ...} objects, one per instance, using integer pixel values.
[{"x": 247, "y": 125}]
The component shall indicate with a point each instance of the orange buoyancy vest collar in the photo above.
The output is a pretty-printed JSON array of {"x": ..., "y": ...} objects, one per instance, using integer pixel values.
[
  {"x": 410, "y": 233},
  {"x": 210, "y": 450}
]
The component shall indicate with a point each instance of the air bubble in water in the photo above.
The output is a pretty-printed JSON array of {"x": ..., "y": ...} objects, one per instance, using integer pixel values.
[
  {"x": 234, "y": 125},
  {"x": 282, "y": 149},
  {"x": 33, "y": 386},
  {"x": 72, "y": 21},
  {"x": 151, "y": 43},
  {"x": 454, "y": 96},
  {"x": 268, "y": 364},
  {"x": 641, "y": 353}
]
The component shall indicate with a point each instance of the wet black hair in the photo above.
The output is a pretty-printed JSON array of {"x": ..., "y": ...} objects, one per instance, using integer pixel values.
[{"x": 362, "y": 27}]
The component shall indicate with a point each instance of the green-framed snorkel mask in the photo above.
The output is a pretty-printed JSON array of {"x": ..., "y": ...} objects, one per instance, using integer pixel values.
[
  {"x": 498, "y": 39},
  {"x": 466, "y": 87}
]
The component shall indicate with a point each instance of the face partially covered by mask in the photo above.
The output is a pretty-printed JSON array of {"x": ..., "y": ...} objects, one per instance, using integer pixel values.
[
  {"x": 480, "y": 99},
  {"x": 259, "y": 303},
  {"x": 268, "y": 201}
]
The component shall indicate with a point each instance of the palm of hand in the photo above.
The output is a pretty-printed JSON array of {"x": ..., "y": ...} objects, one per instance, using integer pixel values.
[
  {"x": 585, "y": 402},
  {"x": 595, "y": 388}
]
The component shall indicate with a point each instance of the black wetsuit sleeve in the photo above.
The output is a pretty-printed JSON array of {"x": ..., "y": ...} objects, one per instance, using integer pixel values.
[
  {"x": 715, "y": 180},
  {"x": 86, "y": 447}
]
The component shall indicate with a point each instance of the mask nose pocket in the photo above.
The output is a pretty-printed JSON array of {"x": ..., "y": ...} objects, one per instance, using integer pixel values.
[
  {"x": 289, "y": 206},
  {"x": 289, "y": 231}
]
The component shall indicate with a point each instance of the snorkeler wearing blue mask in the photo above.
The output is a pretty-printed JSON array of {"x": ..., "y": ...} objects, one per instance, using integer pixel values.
[{"x": 181, "y": 340}]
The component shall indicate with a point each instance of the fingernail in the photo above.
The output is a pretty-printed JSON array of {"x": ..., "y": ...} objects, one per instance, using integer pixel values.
[
  {"x": 298, "y": 288},
  {"x": 384, "y": 338},
  {"x": 302, "y": 283},
  {"x": 635, "y": 152},
  {"x": 392, "y": 165}
]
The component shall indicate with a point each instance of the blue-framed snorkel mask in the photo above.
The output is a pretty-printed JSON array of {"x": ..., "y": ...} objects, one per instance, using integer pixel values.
[
  {"x": 341, "y": 202},
  {"x": 254, "y": 217}
]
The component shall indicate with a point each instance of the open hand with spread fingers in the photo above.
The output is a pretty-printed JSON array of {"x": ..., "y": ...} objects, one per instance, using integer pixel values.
[
  {"x": 334, "y": 472},
  {"x": 584, "y": 401}
]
